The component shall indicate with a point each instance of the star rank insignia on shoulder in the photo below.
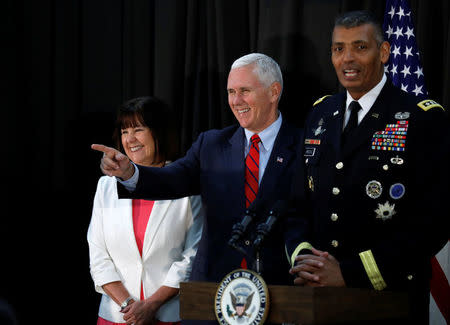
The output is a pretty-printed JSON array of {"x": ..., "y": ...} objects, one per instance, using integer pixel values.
[
  {"x": 320, "y": 100},
  {"x": 429, "y": 104}
]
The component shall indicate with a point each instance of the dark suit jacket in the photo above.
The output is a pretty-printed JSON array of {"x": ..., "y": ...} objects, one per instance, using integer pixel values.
[
  {"x": 214, "y": 168},
  {"x": 349, "y": 188}
]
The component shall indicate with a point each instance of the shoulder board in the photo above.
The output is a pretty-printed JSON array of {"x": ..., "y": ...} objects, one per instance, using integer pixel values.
[
  {"x": 320, "y": 100},
  {"x": 428, "y": 104}
]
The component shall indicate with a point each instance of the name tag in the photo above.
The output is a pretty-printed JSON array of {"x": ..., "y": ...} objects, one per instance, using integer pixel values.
[{"x": 310, "y": 152}]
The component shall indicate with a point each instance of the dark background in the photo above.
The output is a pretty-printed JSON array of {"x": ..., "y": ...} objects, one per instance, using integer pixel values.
[{"x": 68, "y": 64}]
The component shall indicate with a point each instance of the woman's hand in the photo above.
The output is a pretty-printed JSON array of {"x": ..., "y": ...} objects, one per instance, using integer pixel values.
[{"x": 141, "y": 312}]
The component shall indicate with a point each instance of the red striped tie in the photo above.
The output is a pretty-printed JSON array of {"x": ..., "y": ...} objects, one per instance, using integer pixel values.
[
  {"x": 252, "y": 170},
  {"x": 251, "y": 177}
]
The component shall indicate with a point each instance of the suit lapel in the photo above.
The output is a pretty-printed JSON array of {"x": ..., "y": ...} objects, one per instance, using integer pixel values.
[
  {"x": 282, "y": 152},
  {"x": 233, "y": 156},
  {"x": 125, "y": 218},
  {"x": 157, "y": 215}
]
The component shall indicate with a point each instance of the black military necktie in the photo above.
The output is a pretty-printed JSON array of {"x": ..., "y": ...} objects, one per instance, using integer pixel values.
[{"x": 352, "y": 123}]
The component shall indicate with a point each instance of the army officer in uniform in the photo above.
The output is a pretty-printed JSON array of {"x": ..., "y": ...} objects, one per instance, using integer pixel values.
[{"x": 376, "y": 176}]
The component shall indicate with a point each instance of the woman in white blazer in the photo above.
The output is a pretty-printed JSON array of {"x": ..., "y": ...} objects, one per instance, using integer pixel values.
[{"x": 141, "y": 250}]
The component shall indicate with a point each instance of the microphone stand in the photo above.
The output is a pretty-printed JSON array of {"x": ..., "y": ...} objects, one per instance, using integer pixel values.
[
  {"x": 264, "y": 229},
  {"x": 258, "y": 262},
  {"x": 257, "y": 248},
  {"x": 239, "y": 229}
]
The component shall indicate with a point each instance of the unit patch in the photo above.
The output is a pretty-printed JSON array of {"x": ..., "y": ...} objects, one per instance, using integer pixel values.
[
  {"x": 374, "y": 189},
  {"x": 397, "y": 191}
]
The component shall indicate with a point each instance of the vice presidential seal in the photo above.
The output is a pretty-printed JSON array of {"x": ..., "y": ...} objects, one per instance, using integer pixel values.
[{"x": 242, "y": 298}]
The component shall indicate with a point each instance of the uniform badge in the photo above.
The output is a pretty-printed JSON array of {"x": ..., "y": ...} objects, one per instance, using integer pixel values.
[
  {"x": 336, "y": 113},
  {"x": 312, "y": 141},
  {"x": 397, "y": 160},
  {"x": 392, "y": 138},
  {"x": 311, "y": 183},
  {"x": 397, "y": 191},
  {"x": 402, "y": 115},
  {"x": 385, "y": 211},
  {"x": 242, "y": 298},
  {"x": 319, "y": 130},
  {"x": 309, "y": 152},
  {"x": 428, "y": 103},
  {"x": 374, "y": 189}
]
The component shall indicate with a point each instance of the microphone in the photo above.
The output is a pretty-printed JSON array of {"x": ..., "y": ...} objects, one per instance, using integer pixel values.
[
  {"x": 239, "y": 228},
  {"x": 264, "y": 229}
]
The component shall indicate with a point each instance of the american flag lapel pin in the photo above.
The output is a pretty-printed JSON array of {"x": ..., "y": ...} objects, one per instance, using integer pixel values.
[{"x": 280, "y": 159}]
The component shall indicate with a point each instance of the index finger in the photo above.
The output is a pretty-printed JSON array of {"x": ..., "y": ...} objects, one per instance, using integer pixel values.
[{"x": 106, "y": 150}]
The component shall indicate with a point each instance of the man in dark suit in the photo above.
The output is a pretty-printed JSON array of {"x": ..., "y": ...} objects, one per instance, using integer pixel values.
[
  {"x": 375, "y": 175},
  {"x": 215, "y": 167}
]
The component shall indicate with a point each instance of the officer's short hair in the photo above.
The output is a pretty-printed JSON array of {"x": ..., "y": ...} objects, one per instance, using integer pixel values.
[
  {"x": 361, "y": 17},
  {"x": 267, "y": 70}
]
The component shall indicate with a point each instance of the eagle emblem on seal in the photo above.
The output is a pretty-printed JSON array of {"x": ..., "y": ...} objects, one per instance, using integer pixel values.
[{"x": 241, "y": 299}]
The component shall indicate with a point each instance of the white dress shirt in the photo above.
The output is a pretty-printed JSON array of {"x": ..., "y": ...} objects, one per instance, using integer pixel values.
[
  {"x": 365, "y": 101},
  {"x": 267, "y": 137}
]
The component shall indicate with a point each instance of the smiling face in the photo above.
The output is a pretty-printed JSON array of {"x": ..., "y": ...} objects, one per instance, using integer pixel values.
[
  {"x": 139, "y": 145},
  {"x": 358, "y": 58},
  {"x": 253, "y": 104}
]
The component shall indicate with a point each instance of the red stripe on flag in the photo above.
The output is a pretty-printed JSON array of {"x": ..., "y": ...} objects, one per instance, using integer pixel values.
[{"x": 440, "y": 289}]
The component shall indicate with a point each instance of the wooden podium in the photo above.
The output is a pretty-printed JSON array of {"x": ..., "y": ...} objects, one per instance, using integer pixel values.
[{"x": 302, "y": 305}]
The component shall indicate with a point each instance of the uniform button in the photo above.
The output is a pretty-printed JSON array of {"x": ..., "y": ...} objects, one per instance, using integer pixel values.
[
  {"x": 336, "y": 190},
  {"x": 334, "y": 243},
  {"x": 339, "y": 165},
  {"x": 385, "y": 167},
  {"x": 334, "y": 216},
  {"x": 247, "y": 242},
  {"x": 306, "y": 160},
  {"x": 410, "y": 277}
]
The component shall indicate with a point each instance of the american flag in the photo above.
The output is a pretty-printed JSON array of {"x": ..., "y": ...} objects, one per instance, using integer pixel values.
[
  {"x": 406, "y": 72},
  {"x": 403, "y": 66}
]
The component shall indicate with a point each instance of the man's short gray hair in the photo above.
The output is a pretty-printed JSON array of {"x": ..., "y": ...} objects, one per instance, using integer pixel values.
[{"x": 267, "y": 70}]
